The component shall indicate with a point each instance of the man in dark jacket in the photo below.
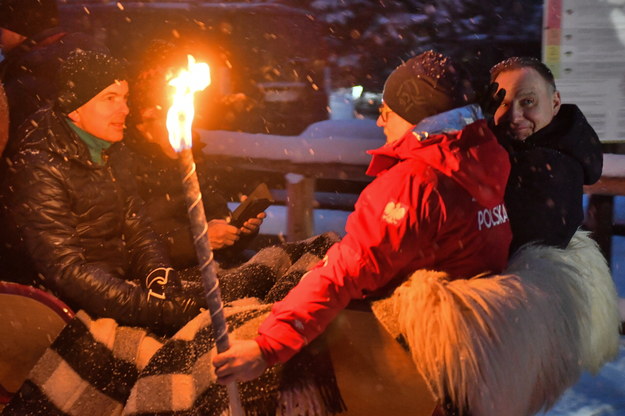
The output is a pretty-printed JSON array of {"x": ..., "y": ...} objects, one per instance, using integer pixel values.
[
  {"x": 79, "y": 230},
  {"x": 553, "y": 152},
  {"x": 155, "y": 167},
  {"x": 436, "y": 203},
  {"x": 33, "y": 45}
]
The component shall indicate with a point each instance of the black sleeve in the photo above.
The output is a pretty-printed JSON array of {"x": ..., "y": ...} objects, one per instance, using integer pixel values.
[
  {"x": 147, "y": 251},
  {"x": 216, "y": 207},
  {"x": 544, "y": 197}
]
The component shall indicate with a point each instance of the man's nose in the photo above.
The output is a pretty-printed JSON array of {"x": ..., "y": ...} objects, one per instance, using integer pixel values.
[
  {"x": 515, "y": 113},
  {"x": 124, "y": 107},
  {"x": 379, "y": 122}
]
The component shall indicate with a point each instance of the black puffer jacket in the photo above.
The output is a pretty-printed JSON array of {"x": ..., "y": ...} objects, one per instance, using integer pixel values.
[
  {"x": 549, "y": 169},
  {"x": 85, "y": 234}
]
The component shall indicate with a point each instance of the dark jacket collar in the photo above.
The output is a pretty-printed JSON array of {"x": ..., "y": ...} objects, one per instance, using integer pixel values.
[
  {"x": 47, "y": 130},
  {"x": 569, "y": 133}
]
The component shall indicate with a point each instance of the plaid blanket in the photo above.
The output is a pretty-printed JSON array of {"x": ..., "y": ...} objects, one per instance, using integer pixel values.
[{"x": 96, "y": 367}]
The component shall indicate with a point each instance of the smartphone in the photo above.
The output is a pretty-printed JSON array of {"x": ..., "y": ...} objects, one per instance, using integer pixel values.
[{"x": 258, "y": 201}]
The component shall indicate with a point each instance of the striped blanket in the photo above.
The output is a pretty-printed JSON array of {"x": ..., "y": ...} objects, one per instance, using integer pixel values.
[{"x": 96, "y": 367}]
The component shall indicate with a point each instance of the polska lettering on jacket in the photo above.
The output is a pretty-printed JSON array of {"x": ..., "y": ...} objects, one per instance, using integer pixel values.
[{"x": 492, "y": 217}]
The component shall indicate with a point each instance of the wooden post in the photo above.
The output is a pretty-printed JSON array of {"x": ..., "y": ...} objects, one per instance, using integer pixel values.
[
  {"x": 300, "y": 199},
  {"x": 599, "y": 221}
]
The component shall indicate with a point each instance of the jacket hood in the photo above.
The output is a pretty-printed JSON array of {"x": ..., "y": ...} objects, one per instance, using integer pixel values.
[
  {"x": 569, "y": 133},
  {"x": 472, "y": 157}
]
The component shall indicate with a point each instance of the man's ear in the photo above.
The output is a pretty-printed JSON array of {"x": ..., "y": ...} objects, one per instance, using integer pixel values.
[
  {"x": 557, "y": 102},
  {"x": 148, "y": 113}
]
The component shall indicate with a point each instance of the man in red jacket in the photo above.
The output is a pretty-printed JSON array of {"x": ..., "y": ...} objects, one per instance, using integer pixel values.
[{"x": 436, "y": 203}]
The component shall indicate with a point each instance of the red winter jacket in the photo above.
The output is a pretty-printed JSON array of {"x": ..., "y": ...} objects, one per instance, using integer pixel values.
[{"x": 436, "y": 204}]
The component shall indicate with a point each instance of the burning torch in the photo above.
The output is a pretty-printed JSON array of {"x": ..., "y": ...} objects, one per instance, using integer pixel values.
[{"x": 195, "y": 78}]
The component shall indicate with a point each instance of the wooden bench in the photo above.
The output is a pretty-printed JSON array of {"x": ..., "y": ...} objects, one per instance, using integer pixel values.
[{"x": 600, "y": 218}]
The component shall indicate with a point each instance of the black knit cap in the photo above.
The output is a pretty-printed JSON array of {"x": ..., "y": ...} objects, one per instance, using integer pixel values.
[
  {"x": 427, "y": 84},
  {"x": 83, "y": 75},
  {"x": 148, "y": 80},
  {"x": 28, "y": 17}
]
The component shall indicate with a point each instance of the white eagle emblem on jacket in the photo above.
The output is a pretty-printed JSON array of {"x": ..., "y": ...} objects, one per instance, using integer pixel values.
[{"x": 394, "y": 212}]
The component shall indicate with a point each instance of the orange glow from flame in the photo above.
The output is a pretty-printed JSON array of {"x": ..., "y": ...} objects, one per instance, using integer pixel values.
[{"x": 194, "y": 78}]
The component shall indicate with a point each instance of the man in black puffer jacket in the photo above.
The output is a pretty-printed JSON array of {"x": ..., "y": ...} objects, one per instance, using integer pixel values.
[
  {"x": 75, "y": 226},
  {"x": 553, "y": 152}
]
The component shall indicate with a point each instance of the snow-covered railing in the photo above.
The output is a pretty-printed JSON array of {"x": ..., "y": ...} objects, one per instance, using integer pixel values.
[
  {"x": 331, "y": 150},
  {"x": 328, "y": 142},
  {"x": 612, "y": 180}
]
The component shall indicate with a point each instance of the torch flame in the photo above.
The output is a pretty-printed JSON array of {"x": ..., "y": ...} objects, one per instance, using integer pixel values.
[{"x": 194, "y": 78}]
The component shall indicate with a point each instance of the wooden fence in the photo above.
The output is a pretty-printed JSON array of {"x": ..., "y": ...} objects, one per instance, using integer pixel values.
[{"x": 600, "y": 218}]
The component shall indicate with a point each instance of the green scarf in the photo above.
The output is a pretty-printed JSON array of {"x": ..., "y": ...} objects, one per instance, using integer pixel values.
[{"x": 95, "y": 145}]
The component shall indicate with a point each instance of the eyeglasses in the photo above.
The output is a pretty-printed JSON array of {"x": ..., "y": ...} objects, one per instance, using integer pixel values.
[{"x": 384, "y": 112}]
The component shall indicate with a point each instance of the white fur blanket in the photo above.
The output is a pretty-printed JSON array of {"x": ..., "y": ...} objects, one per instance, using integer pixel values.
[{"x": 510, "y": 344}]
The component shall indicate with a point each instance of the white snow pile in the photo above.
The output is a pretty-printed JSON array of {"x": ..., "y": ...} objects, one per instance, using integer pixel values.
[
  {"x": 329, "y": 141},
  {"x": 613, "y": 165}
]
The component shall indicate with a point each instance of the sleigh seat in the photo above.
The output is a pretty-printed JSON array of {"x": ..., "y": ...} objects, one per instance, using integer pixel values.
[{"x": 31, "y": 319}]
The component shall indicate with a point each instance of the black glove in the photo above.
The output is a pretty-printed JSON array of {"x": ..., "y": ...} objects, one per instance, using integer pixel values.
[
  {"x": 169, "y": 315},
  {"x": 490, "y": 100},
  {"x": 170, "y": 305},
  {"x": 162, "y": 283}
]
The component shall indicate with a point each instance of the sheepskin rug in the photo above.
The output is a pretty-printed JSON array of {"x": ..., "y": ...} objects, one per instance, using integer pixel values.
[{"x": 510, "y": 344}]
